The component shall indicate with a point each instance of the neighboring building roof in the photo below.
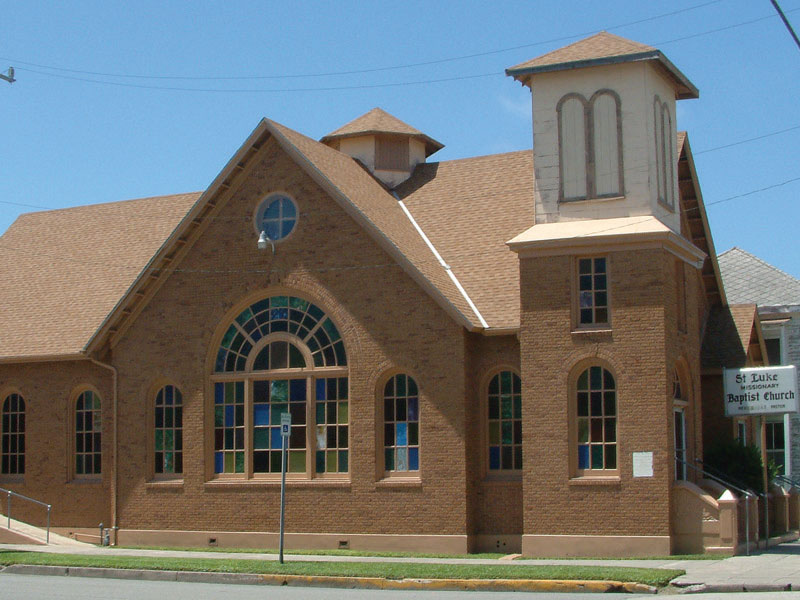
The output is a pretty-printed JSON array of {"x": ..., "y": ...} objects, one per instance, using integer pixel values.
[
  {"x": 65, "y": 270},
  {"x": 731, "y": 334},
  {"x": 469, "y": 208},
  {"x": 603, "y": 49},
  {"x": 378, "y": 121},
  {"x": 749, "y": 279}
]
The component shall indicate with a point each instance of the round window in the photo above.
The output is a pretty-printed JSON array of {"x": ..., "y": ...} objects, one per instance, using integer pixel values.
[{"x": 276, "y": 216}]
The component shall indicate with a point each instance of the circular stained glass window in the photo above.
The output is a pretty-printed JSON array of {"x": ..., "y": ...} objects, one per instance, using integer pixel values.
[{"x": 276, "y": 216}]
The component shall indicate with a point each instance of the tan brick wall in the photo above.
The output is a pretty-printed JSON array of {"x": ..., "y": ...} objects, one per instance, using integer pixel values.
[
  {"x": 49, "y": 390},
  {"x": 640, "y": 349},
  {"x": 495, "y": 506},
  {"x": 387, "y": 322}
]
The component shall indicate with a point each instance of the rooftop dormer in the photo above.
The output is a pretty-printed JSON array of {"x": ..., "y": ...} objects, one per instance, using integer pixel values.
[{"x": 389, "y": 148}]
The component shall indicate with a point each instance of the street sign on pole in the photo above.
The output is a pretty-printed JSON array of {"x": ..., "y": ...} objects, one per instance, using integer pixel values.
[{"x": 286, "y": 428}]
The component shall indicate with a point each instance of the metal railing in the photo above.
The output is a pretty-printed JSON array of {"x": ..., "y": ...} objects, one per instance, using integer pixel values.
[
  {"x": 9, "y": 494},
  {"x": 787, "y": 481},
  {"x": 746, "y": 493}
]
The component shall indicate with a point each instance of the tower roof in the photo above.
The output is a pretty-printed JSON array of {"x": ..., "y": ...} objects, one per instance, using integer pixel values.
[
  {"x": 603, "y": 49},
  {"x": 378, "y": 121}
]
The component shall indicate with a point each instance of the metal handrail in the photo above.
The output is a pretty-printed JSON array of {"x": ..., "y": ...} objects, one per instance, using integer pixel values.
[
  {"x": 787, "y": 480},
  {"x": 724, "y": 482},
  {"x": 9, "y": 494},
  {"x": 746, "y": 493}
]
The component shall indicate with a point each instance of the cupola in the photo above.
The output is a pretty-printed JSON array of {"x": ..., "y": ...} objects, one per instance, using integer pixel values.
[{"x": 384, "y": 144}]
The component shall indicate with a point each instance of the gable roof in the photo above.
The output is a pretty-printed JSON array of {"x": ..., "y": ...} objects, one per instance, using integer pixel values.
[
  {"x": 378, "y": 121},
  {"x": 469, "y": 208},
  {"x": 603, "y": 49},
  {"x": 65, "y": 270},
  {"x": 749, "y": 279},
  {"x": 732, "y": 338}
]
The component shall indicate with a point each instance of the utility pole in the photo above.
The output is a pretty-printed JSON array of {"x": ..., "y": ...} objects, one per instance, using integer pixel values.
[{"x": 8, "y": 75}]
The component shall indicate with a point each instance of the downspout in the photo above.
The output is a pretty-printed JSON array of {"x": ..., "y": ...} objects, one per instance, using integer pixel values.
[{"x": 114, "y": 436}]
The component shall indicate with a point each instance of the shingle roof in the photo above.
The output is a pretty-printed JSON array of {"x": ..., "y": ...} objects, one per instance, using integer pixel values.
[
  {"x": 747, "y": 278},
  {"x": 378, "y": 121},
  {"x": 728, "y": 336},
  {"x": 65, "y": 270},
  {"x": 357, "y": 190},
  {"x": 601, "y": 49},
  {"x": 469, "y": 208}
]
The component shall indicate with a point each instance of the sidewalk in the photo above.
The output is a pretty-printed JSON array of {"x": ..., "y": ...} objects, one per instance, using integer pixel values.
[{"x": 772, "y": 570}]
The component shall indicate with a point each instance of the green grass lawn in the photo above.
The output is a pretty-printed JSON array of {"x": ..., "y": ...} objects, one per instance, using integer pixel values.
[
  {"x": 656, "y": 577},
  {"x": 317, "y": 552}
]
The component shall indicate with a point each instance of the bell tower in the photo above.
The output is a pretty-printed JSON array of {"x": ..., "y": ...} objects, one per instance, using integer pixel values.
[{"x": 605, "y": 138}]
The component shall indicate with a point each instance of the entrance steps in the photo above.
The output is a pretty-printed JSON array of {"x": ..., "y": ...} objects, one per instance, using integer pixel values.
[{"x": 24, "y": 533}]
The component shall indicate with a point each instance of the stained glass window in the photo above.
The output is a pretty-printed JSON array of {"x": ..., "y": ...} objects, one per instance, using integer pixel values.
[
  {"x": 592, "y": 291},
  {"x": 281, "y": 355},
  {"x": 596, "y": 420},
  {"x": 13, "y": 436},
  {"x": 505, "y": 422},
  {"x": 169, "y": 431},
  {"x": 88, "y": 431},
  {"x": 401, "y": 424}
]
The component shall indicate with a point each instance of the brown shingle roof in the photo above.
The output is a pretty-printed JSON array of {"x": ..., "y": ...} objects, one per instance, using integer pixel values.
[
  {"x": 602, "y": 49},
  {"x": 65, "y": 270},
  {"x": 370, "y": 204},
  {"x": 728, "y": 336},
  {"x": 378, "y": 121},
  {"x": 469, "y": 208}
]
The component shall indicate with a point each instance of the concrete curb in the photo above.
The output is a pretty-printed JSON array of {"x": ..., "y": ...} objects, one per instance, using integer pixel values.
[
  {"x": 375, "y": 583},
  {"x": 727, "y": 588}
]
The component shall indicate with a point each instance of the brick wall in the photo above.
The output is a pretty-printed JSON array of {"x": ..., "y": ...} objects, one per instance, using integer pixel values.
[{"x": 387, "y": 322}]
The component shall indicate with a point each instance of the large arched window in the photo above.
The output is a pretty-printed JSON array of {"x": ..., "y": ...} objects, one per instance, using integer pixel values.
[
  {"x": 13, "y": 436},
  {"x": 504, "y": 403},
  {"x": 88, "y": 433},
  {"x": 281, "y": 355},
  {"x": 596, "y": 421},
  {"x": 679, "y": 404},
  {"x": 590, "y": 146},
  {"x": 665, "y": 158}
]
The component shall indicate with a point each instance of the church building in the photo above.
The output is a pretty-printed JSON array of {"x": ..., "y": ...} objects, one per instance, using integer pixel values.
[{"x": 498, "y": 353}]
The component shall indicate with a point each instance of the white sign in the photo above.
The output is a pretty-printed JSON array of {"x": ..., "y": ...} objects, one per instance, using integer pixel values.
[
  {"x": 642, "y": 464},
  {"x": 760, "y": 391},
  {"x": 286, "y": 424}
]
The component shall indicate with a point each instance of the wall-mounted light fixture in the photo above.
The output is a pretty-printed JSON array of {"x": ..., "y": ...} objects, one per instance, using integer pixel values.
[{"x": 263, "y": 240}]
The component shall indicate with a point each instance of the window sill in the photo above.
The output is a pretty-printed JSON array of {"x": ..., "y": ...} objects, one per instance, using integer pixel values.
[
  {"x": 12, "y": 479},
  {"x": 221, "y": 484},
  {"x": 613, "y": 480},
  {"x": 595, "y": 199},
  {"x": 666, "y": 205},
  {"x": 399, "y": 482},
  {"x": 88, "y": 482},
  {"x": 602, "y": 330}
]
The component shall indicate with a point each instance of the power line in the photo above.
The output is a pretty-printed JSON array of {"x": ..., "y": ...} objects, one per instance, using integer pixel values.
[
  {"x": 759, "y": 137},
  {"x": 369, "y": 70},
  {"x": 786, "y": 22}
]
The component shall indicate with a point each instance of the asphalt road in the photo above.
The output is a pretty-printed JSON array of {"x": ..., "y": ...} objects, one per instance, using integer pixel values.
[{"x": 38, "y": 587}]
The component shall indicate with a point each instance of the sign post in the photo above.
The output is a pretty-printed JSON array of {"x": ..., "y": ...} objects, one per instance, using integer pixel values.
[
  {"x": 761, "y": 391},
  {"x": 286, "y": 426}
]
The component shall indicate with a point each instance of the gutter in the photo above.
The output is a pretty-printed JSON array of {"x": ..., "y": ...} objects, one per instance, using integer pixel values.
[{"x": 115, "y": 443}]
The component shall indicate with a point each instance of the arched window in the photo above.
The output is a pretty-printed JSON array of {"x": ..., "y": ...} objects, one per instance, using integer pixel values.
[
  {"x": 596, "y": 411},
  {"x": 401, "y": 425},
  {"x": 679, "y": 403},
  {"x": 168, "y": 444},
  {"x": 590, "y": 146},
  {"x": 665, "y": 158},
  {"x": 281, "y": 355},
  {"x": 505, "y": 422},
  {"x": 13, "y": 436},
  {"x": 88, "y": 431}
]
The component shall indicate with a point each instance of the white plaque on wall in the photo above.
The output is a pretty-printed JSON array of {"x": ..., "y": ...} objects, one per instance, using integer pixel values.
[{"x": 642, "y": 464}]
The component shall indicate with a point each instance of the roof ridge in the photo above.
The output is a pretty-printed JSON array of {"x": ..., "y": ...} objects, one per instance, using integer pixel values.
[
  {"x": 765, "y": 263},
  {"x": 466, "y": 158},
  {"x": 108, "y": 203}
]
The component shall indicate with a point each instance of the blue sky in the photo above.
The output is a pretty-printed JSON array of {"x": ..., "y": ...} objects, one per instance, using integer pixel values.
[{"x": 128, "y": 100}]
